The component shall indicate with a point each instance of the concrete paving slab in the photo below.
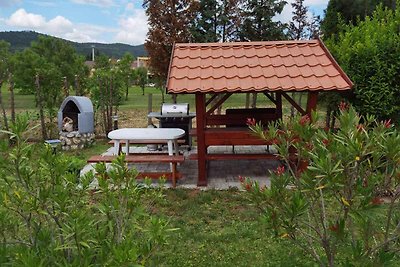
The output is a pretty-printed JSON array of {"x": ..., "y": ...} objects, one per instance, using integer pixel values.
[{"x": 222, "y": 174}]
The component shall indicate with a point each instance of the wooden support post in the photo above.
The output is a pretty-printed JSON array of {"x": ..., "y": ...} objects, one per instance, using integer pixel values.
[
  {"x": 311, "y": 102},
  {"x": 201, "y": 144}
]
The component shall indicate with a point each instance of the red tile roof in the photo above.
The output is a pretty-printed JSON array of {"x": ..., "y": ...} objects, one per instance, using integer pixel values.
[{"x": 254, "y": 66}]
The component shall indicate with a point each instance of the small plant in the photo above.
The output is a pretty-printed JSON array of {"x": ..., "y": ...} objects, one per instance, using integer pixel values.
[
  {"x": 337, "y": 194},
  {"x": 49, "y": 218}
]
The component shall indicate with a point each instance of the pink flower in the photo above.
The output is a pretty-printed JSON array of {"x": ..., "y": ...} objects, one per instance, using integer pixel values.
[
  {"x": 387, "y": 123},
  {"x": 280, "y": 170},
  {"x": 326, "y": 142},
  {"x": 248, "y": 186},
  {"x": 304, "y": 120},
  {"x": 344, "y": 106},
  {"x": 251, "y": 122},
  {"x": 241, "y": 179},
  {"x": 376, "y": 201}
]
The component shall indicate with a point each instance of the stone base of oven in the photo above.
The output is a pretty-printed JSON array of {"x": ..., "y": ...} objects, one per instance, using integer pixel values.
[{"x": 75, "y": 140}]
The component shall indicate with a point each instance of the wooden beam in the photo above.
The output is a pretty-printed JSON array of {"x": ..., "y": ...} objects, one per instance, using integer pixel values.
[
  {"x": 211, "y": 99},
  {"x": 219, "y": 103},
  {"x": 294, "y": 104},
  {"x": 311, "y": 102},
  {"x": 273, "y": 100},
  {"x": 201, "y": 145}
]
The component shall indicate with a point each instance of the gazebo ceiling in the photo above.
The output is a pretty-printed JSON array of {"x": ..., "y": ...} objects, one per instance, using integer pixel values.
[{"x": 254, "y": 67}]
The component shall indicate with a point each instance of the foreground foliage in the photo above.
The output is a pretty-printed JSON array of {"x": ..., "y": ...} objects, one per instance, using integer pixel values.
[
  {"x": 337, "y": 194},
  {"x": 50, "y": 216}
]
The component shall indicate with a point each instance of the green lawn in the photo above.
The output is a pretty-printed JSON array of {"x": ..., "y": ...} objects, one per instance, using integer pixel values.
[
  {"x": 138, "y": 101},
  {"x": 220, "y": 228}
]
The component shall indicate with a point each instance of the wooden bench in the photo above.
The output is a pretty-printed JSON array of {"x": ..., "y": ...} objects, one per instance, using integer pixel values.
[
  {"x": 236, "y": 156},
  {"x": 144, "y": 142},
  {"x": 147, "y": 158}
]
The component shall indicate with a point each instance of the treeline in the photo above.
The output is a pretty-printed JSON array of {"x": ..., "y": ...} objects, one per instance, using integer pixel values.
[
  {"x": 50, "y": 69},
  {"x": 23, "y": 39},
  {"x": 362, "y": 38}
]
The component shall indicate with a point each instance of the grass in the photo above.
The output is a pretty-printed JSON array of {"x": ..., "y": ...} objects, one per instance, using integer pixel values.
[
  {"x": 97, "y": 148},
  {"x": 220, "y": 228},
  {"x": 138, "y": 101}
]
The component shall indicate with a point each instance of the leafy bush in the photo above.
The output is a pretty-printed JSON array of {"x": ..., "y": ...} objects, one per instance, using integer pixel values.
[
  {"x": 337, "y": 194},
  {"x": 369, "y": 53},
  {"x": 49, "y": 218}
]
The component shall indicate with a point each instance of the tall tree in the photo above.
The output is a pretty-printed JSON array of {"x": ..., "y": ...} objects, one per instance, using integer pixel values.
[
  {"x": 258, "y": 23},
  {"x": 349, "y": 11},
  {"x": 297, "y": 29},
  {"x": 141, "y": 77},
  {"x": 4, "y": 74},
  {"x": 125, "y": 67},
  {"x": 40, "y": 70},
  {"x": 217, "y": 21},
  {"x": 205, "y": 26},
  {"x": 169, "y": 23}
]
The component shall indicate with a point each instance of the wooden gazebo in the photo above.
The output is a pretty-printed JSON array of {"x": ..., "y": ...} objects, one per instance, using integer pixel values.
[{"x": 215, "y": 71}]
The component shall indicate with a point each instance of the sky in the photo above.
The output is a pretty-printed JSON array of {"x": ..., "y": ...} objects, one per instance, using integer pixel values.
[{"x": 103, "y": 21}]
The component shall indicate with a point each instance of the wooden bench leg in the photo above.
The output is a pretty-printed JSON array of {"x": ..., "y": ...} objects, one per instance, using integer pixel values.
[{"x": 174, "y": 174}]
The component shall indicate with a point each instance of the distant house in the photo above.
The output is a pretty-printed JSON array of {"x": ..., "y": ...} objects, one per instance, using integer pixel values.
[{"x": 141, "y": 62}]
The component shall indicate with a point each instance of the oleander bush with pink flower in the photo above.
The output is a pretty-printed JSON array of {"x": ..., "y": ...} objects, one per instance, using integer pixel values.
[{"x": 336, "y": 194}]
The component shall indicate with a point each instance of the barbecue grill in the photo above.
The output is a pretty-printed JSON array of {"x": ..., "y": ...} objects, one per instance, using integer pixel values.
[{"x": 175, "y": 116}]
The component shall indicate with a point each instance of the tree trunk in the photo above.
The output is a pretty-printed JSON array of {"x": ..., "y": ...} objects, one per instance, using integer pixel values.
[
  {"x": 333, "y": 119},
  {"x": 40, "y": 105},
  {"x": 126, "y": 93},
  {"x": 300, "y": 99},
  {"x": 247, "y": 100},
  {"x": 77, "y": 87},
  {"x": 66, "y": 87},
  {"x": 292, "y": 111},
  {"x": 2, "y": 108},
  {"x": 328, "y": 117},
  {"x": 254, "y": 100},
  {"x": 12, "y": 99}
]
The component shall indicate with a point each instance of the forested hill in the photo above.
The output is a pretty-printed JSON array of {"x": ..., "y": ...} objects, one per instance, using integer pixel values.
[{"x": 20, "y": 40}]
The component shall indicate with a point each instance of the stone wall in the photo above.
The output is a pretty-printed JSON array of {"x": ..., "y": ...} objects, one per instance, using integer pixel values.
[{"x": 75, "y": 140}]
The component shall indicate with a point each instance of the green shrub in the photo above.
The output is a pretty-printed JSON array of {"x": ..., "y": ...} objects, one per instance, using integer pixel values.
[
  {"x": 337, "y": 194},
  {"x": 47, "y": 218},
  {"x": 369, "y": 53}
]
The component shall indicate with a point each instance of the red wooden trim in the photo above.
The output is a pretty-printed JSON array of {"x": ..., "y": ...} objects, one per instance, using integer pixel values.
[
  {"x": 169, "y": 67},
  {"x": 294, "y": 104},
  {"x": 219, "y": 103},
  {"x": 312, "y": 102},
  {"x": 335, "y": 64},
  {"x": 201, "y": 146},
  {"x": 239, "y": 119},
  {"x": 211, "y": 99}
]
